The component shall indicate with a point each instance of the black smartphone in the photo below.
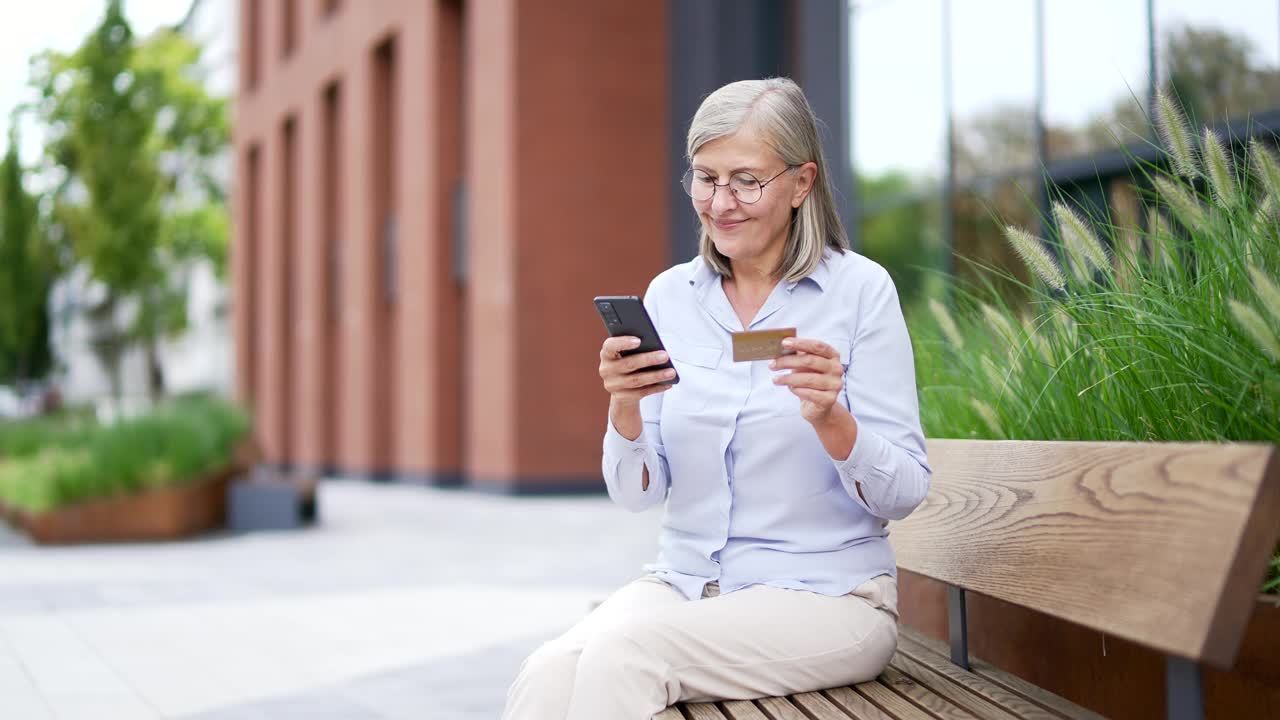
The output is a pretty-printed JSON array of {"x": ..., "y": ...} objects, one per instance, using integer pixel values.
[{"x": 625, "y": 315}]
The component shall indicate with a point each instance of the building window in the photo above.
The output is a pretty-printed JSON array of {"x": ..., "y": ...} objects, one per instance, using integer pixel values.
[
  {"x": 250, "y": 310},
  {"x": 288, "y": 27},
  {"x": 385, "y": 151},
  {"x": 284, "y": 275},
  {"x": 252, "y": 28},
  {"x": 331, "y": 216}
]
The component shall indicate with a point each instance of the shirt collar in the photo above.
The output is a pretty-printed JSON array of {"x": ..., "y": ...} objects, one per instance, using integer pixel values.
[{"x": 701, "y": 274}]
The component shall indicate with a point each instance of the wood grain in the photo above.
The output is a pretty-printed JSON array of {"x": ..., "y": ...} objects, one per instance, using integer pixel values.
[
  {"x": 987, "y": 701},
  {"x": 891, "y": 702},
  {"x": 1008, "y": 690},
  {"x": 703, "y": 711},
  {"x": 922, "y": 696},
  {"x": 781, "y": 709},
  {"x": 742, "y": 710},
  {"x": 855, "y": 705},
  {"x": 1153, "y": 542},
  {"x": 671, "y": 713},
  {"x": 818, "y": 707}
]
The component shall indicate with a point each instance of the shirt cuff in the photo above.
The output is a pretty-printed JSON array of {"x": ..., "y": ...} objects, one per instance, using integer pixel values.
[
  {"x": 619, "y": 447},
  {"x": 866, "y": 447},
  {"x": 856, "y": 470}
]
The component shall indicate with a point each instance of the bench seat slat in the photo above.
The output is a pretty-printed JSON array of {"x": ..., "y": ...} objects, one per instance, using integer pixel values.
[
  {"x": 781, "y": 709},
  {"x": 857, "y": 706},
  {"x": 819, "y": 707},
  {"x": 703, "y": 711},
  {"x": 671, "y": 713},
  {"x": 973, "y": 699},
  {"x": 934, "y": 653},
  {"x": 923, "y": 696},
  {"x": 891, "y": 702},
  {"x": 742, "y": 710}
]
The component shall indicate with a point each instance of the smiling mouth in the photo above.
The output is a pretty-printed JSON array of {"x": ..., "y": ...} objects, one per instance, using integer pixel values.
[{"x": 727, "y": 224}]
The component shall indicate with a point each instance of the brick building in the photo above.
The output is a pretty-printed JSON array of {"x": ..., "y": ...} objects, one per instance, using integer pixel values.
[{"x": 429, "y": 193}]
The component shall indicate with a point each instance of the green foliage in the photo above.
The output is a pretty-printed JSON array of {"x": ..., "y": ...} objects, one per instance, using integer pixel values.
[
  {"x": 134, "y": 136},
  {"x": 1216, "y": 74},
  {"x": 101, "y": 114},
  {"x": 46, "y": 463},
  {"x": 27, "y": 270},
  {"x": 901, "y": 235},
  {"x": 1170, "y": 336}
]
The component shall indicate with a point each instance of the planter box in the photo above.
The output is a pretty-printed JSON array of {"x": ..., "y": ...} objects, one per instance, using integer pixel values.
[
  {"x": 158, "y": 514},
  {"x": 1115, "y": 678}
]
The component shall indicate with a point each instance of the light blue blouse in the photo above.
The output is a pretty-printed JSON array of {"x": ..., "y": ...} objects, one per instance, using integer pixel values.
[{"x": 752, "y": 496}]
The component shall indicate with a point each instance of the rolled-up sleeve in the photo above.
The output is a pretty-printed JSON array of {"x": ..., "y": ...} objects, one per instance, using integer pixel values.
[
  {"x": 625, "y": 460},
  {"x": 888, "y": 459}
]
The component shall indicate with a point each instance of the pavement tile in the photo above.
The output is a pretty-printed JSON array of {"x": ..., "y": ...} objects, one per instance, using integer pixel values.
[{"x": 403, "y": 602}]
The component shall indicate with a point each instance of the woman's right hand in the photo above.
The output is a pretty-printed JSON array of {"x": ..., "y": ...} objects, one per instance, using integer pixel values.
[{"x": 626, "y": 378}]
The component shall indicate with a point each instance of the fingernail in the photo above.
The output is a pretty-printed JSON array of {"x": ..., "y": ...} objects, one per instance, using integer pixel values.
[
  {"x": 669, "y": 373},
  {"x": 773, "y": 364},
  {"x": 633, "y": 342},
  {"x": 662, "y": 356},
  {"x": 787, "y": 343}
]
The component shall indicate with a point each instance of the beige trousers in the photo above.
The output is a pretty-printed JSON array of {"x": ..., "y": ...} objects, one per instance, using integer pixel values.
[{"x": 647, "y": 647}]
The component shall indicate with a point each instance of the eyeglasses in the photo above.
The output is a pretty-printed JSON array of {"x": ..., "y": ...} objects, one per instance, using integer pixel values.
[{"x": 701, "y": 186}]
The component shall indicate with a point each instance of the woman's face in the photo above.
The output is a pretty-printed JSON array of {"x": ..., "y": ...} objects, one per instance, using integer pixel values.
[{"x": 742, "y": 231}]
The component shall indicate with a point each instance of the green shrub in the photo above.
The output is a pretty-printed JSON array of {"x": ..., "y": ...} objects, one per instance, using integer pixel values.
[
  {"x": 45, "y": 463},
  {"x": 1161, "y": 333},
  {"x": 1174, "y": 342}
]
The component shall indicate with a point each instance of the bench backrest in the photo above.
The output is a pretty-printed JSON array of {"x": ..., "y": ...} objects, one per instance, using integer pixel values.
[{"x": 1164, "y": 544}]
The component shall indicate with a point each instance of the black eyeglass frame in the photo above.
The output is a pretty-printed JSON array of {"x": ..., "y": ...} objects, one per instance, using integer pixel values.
[{"x": 686, "y": 183}]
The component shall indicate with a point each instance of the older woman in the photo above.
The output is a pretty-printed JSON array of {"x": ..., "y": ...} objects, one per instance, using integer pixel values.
[{"x": 774, "y": 574}]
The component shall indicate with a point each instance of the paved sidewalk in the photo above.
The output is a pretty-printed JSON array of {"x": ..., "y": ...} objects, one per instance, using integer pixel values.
[{"x": 405, "y": 602}]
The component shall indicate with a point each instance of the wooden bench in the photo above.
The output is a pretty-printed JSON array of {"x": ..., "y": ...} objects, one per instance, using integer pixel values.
[{"x": 1162, "y": 544}]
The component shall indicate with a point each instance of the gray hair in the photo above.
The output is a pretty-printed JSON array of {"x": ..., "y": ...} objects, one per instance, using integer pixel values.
[{"x": 777, "y": 110}]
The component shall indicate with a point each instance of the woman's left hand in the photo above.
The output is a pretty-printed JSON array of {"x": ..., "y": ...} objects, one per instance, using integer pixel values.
[{"x": 816, "y": 376}]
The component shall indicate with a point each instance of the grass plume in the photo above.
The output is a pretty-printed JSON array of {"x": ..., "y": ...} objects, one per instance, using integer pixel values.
[
  {"x": 1032, "y": 251},
  {"x": 1221, "y": 180},
  {"x": 1172, "y": 125},
  {"x": 1083, "y": 247}
]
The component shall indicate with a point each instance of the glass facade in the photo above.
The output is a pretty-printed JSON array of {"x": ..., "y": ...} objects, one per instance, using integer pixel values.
[
  {"x": 1223, "y": 57},
  {"x": 1096, "y": 75},
  {"x": 1024, "y": 88},
  {"x": 899, "y": 94}
]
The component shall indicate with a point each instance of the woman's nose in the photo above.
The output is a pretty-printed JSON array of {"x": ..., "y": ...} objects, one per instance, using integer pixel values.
[{"x": 723, "y": 201}]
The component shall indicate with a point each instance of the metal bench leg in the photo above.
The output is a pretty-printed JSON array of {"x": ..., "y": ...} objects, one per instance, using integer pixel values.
[
  {"x": 1183, "y": 689},
  {"x": 958, "y": 626}
]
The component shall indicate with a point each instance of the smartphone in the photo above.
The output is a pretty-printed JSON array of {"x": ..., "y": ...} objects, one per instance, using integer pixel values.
[{"x": 625, "y": 315}]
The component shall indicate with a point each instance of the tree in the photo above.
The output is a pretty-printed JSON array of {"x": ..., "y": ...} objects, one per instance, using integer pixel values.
[
  {"x": 1216, "y": 75},
  {"x": 27, "y": 269},
  {"x": 134, "y": 138}
]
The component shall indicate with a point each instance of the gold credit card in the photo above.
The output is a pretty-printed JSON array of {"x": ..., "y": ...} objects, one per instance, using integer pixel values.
[{"x": 760, "y": 344}]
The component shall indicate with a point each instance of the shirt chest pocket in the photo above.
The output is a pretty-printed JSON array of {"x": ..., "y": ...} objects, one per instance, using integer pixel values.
[
  {"x": 696, "y": 365},
  {"x": 785, "y": 402}
]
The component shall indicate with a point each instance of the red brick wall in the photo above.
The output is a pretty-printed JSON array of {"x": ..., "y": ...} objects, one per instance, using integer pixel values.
[{"x": 544, "y": 108}]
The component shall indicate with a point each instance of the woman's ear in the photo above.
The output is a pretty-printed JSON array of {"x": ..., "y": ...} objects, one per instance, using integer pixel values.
[{"x": 806, "y": 174}]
